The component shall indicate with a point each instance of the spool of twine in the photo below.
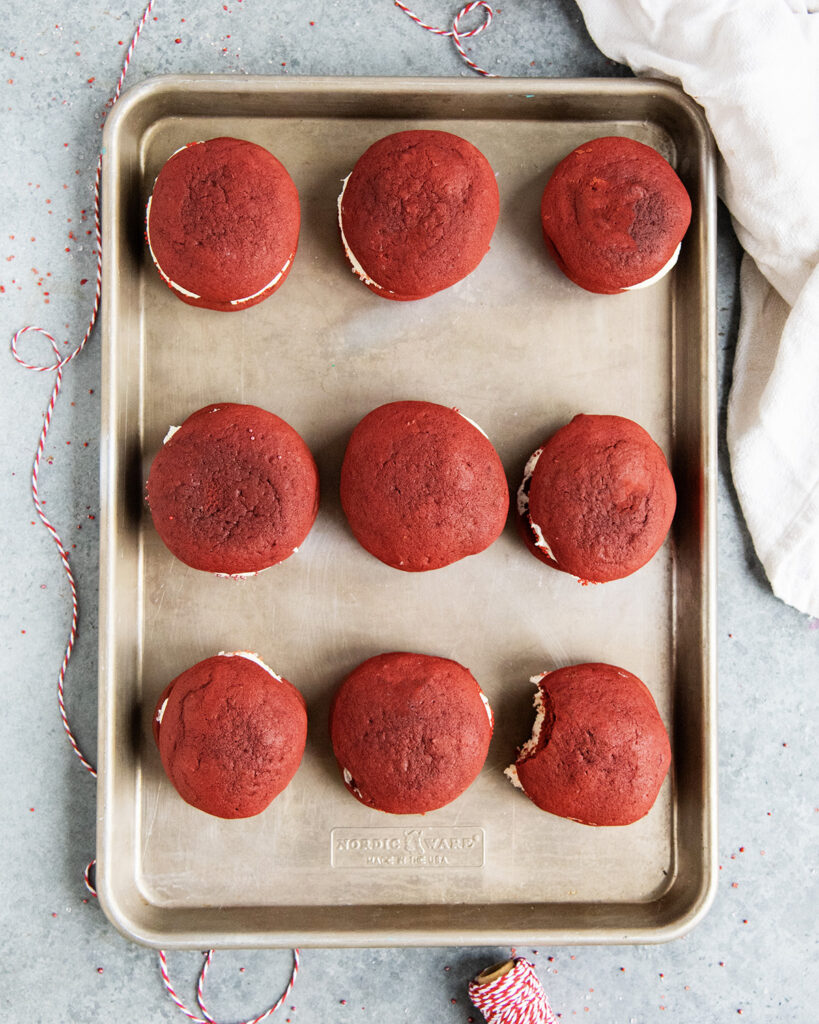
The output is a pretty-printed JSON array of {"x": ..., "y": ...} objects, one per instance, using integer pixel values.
[{"x": 511, "y": 993}]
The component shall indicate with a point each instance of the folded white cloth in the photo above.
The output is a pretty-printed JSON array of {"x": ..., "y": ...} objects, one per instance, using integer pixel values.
[{"x": 754, "y": 67}]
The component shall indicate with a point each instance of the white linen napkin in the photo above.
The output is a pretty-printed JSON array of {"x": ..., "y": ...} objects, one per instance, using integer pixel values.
[{"x": 754, "y": 67}]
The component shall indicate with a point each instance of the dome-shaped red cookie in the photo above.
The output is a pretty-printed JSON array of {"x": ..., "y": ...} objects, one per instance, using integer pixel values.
[
  {"x": 597, "y": 499},
  {"x": 422, "y": 486},
  {"x": 417, "y": 213},
  {"x": 222, "y": 224},
  {"x": 599, "y": 751},
  {"x": 614, "y": 213},
  {"x": 234, "y": 490},
  {"x": 410, "y": 732},
  {"x": 231, "y": 734}
]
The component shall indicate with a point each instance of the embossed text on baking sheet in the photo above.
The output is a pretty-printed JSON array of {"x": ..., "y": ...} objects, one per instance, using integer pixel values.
[{"x": 427, "y": 846}]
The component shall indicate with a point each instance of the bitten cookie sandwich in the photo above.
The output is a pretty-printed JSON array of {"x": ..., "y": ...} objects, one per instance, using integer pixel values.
[
  {"x": 597, "y": 499},
  {"x": 222, "y": 224},
  {"x": 614, "y": 214},
  {"x": 422, "y": 486},
  {"x": 599, "y": 751},
  {"x": 234, "y": 490},
  {"x": 410, "y": 732},
  {"x": 230, "y": 734},
  {"x": 417, "y": 212}
]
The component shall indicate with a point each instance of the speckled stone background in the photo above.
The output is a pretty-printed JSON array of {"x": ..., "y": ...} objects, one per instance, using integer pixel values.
[{"x": 755, "y": 953}]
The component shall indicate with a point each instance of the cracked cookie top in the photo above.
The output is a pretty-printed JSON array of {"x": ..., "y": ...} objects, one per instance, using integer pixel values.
[
  {"x": 417, "y": 213},
  {"x": 422, "y": 486},
  {"x": 222, "y": 223},
  {"x": 410, "y": 732},
  {"x": 599, "y": 751},
  {"x": 614, "y": 214},
  {"x": 230, "y": 734},
  {"x": 597, "y": 499},
  {"x": 234, "y": 490}
]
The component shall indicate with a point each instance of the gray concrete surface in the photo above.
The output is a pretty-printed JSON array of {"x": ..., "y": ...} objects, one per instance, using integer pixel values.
[{"x": 61, "y": 960}]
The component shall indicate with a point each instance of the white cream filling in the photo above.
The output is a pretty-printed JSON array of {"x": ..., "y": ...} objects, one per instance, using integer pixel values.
[
  {"x": 540, "y": 540},
  {"x": 357, "y": 268},
  {"x": 172, "y": 284},
  {"x": 474, "y": 424},
  {"x": 276, "y": 279},
  {"x": 523, "y": 505},
  {"x": 348, "y": 781},
  {"x": 660, "y": 273},
  {"x": 160, "y": 714},
  {"x": 528, "y": 471},
  {"x": 530, "y": 746},
  {"x": 251, "y": 656},
  {"x": 246, "y": 575},
  {"x": 169, "y": 435},
  {"x": 187, "y": 145},
  {"x": 488, "y": 708}
]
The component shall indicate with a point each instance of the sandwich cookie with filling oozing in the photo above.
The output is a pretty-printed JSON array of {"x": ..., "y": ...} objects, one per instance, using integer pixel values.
[
  {"x": 410, "y": 732},
  {"x": 230, "y": 734},
  {"x": 614, "y": 214},
  {"x": 597, "y": 499},
  {"x": 417, "y": 212},
  {"x": 599, "y": 751},
  {"x": 222, "y": 224},
  {"x": 422, "y": 486},
  {"x": 234, "y": 490}
]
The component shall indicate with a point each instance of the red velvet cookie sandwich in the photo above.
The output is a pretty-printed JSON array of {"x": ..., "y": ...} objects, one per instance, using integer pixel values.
[
  {"x": 614, "y": 214},
  {"x": 410, "y": 732},
  {"x": 422, "y": 486},
  {"x": 599, "y": 750},
  {"x": 417, "y": 213},
  {"x": 234, "y": 490},
  {"x": 230, "y": 733},
  {"x": 222, "y": 224},
  {"x": 597, "y": 499}
]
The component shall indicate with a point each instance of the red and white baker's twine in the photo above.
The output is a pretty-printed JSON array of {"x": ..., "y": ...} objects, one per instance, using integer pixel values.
[
  {"x": 57, "y": 367},
  {"x": 513, "y": 998},
  {"x": 206, "y": 1018},
  {"x": 455, "y": 33},
  {"x": 86, "y": 877}
]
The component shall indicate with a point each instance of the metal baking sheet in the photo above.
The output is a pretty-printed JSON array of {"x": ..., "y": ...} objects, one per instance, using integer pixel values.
[{"x": 520, "y": 350}]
